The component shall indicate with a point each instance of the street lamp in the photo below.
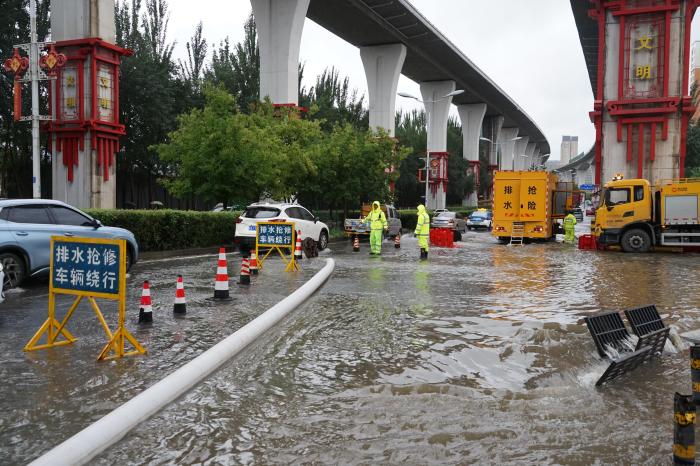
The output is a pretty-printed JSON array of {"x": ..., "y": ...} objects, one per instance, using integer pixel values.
[
  {"x": 427, "y": 129},
  {"x": 517, "y": 138}
]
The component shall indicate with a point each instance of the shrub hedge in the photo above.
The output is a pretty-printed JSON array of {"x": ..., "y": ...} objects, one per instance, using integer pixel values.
[{"x": 162, "y": 230}]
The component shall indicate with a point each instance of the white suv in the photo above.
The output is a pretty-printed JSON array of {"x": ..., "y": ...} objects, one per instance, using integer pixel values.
[{"x": 303, "y": 220}]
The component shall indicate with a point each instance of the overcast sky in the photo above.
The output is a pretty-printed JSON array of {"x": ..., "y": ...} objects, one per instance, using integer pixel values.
[{"x": 535, "y": 58}]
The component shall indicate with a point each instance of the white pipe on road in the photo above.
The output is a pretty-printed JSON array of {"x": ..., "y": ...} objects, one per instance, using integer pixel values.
[{"x": 91, "y": 441}]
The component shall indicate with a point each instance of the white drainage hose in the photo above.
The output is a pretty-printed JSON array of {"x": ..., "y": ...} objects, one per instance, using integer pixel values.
[{"x": 91, "y": 441}]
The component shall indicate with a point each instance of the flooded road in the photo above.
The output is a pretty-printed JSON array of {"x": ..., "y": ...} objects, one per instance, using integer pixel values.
[{"x": 478, "y": 356}]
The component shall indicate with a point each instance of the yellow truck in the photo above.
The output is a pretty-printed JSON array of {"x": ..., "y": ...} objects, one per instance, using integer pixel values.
[
  {"x": 527, "y": 205},
  {"x": 638, "y": 216}
]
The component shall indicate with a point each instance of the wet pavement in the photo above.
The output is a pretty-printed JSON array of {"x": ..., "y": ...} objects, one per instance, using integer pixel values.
[{"x": 478, "y": 356}]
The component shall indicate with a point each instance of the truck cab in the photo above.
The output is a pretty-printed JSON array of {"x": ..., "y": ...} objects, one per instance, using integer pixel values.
[{"x": 625, "y": 216}]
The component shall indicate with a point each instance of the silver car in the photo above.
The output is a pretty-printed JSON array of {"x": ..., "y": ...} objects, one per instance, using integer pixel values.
[
  {"x": 451, "y": 220},
  {"x": 26, "y": 228}
]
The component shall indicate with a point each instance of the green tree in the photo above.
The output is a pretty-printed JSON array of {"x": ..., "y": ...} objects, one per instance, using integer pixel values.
[
  {"x": 238, "y": 69},
  {"x": 152, "y": 94},
  {"x": 15, "y": 137},
  {"x": 222, "y": 155},
  {"x": 332, "y": 100},
  {"x": 692, "y": 156}
]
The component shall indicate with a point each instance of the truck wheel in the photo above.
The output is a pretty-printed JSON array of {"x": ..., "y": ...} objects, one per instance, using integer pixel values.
[
  {"x": 635, "y": 240},
  {"x": 504, "y": 239}
]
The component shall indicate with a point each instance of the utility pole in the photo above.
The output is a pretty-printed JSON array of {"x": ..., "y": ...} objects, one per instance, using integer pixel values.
[
  {"x": 34, "y": 76},
  {"x": 18, "y": 65}
]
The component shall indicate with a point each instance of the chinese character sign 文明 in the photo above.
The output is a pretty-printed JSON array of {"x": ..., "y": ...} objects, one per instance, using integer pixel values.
[
  {"x": 85, "y": 267},
  {"x": 270, "y": 234}
]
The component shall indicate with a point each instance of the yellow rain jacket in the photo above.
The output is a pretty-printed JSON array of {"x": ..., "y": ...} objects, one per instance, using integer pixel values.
[
  {"x": 376, "y": 218},
  {"x": 423, "y": 227}
]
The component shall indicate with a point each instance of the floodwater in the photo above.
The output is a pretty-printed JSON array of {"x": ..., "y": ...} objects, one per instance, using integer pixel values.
[{"x": 478, "y": 356}]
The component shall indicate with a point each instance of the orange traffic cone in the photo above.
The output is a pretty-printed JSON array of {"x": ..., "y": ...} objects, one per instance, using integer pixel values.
[
  {"x": 397, "y": 241},
  {"x": 180, "y": 307},
  {"x": 221, "y": 285},
  {"x": 297, "y": 248},
  {"x": 356, "y": 244},
  {"x": 253, "y": 263},
  {"x": 245, "y": 271},
  {"x": 146, "y": 308}
]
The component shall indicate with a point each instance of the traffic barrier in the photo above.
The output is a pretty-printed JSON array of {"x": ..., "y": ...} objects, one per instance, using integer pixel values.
[
  {"x": 356, "y": 244},
  {"x": 684, "y": 429},
  {"x": 180, "y": 306},
  {"x": 587, "y": 243},
  {"x": 297, "y": 248},
  {"x": 221, "y": 285},
  {"x": 442, "y": 237},
  {"x": 146, "y": 307},
  {"x": 94, "y": 439},
  {"x": 397, "y": 241},
  {"x": 245, "y": 271},
  {"x": 695, "y": 372},
  {"x": 253, "y": 263}
]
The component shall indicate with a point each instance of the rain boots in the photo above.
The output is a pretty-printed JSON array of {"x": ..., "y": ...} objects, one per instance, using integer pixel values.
[{"x": 423, "y": 254}]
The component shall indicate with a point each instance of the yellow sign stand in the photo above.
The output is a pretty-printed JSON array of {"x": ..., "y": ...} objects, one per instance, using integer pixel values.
[
  {"x": 87, "y": 268},
  {"x": 277, "y": 236}
]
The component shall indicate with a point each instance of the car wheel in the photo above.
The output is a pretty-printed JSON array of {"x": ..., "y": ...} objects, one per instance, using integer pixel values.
[
  {"x": 14, "y": 269},
  {"x": 635, "y": 240},
  {"x": 469, "y": 228},
  {"x": 129, "y": 259},
  {"x": 323, "y": 240}
]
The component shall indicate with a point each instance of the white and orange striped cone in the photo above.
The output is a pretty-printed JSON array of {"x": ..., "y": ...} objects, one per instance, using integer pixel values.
[
  {"x": 356, "y": 244},
  {"x": 297, "y": 248},
  {"x": 221, "y": 285},
  {"x": 245, "y": 271},
  {"x": 253, "y": 263},
  {"x": 146, "y": 308},
  {"x": 180, "y": 306},
  {"x": 397, "y": 241}
]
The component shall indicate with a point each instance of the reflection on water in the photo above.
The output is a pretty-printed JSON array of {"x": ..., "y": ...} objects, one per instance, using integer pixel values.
[{"x": 479, "y": 355}]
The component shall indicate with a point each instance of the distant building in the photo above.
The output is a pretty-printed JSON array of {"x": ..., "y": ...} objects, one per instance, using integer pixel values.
[
  {"x": 695, "y": 76},
  {"x": 569, "y": 149}
]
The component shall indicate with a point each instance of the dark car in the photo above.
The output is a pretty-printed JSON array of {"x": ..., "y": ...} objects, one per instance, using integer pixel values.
[{"x": 26, "y": 228}]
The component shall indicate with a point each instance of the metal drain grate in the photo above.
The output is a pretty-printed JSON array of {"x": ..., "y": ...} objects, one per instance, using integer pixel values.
[
  {"x": 607, "y": 329},
  {"x": 644, "y": 320}
]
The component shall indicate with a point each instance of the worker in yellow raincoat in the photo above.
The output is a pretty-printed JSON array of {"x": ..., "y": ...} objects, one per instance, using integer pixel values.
[
  {"x": 569, "y": 226},
  {"x": 377, "y": 225},
  {"x": 423, "y": 231}
]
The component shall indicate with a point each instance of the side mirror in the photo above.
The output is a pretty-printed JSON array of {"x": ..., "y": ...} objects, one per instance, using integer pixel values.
[
  {"x": 97, "y": 224},
  {"x": 316, "y": 219}
]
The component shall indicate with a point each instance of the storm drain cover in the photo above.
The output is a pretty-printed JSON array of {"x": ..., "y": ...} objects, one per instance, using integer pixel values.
[
  {"x": 607, "y": 330},
  {"x": 624, "y": 364},
  {"x": 645, "y": 319}
]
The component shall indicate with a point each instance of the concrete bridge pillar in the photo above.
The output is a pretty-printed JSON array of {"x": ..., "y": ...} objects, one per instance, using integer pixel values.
[
  {"x": 507, "y": 144},
  {"x": 437, "y": 109},
  {"x": 537, "y": 159},
  {"x": 492, "y": 132},
  {"x": 84, "y": 101},
  {"x": 519, "y": 159},
  {"x": 280, "y": 24},
  {"x": 383, "y": 64},
  {"x": 529, "y": 151},
  {"x": 472, "y": 117}
]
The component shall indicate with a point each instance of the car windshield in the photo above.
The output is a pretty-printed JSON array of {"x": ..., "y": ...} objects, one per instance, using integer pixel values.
[{"x": 261, "y": 212}]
